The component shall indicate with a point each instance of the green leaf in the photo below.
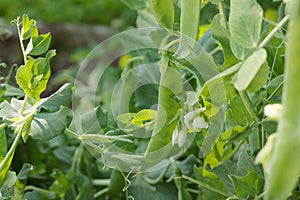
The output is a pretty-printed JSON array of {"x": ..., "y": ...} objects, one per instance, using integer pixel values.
[
  {"x": 62, "y": 97},
  {"x": 126, "y": 118},
  {"x": 135, "y": 4},
  {"x": 33, "y": 76},
  {"x": 246, "y": 163},
  {"x": 12, "y": 91},
  {"x": 163, "y": 11},
  {"x": 212, "y": 182},
  {"x": 248, "y": 185},
  {"x": 238, "y": 112},
  {"x": 276, "y": 85},
  {"x": 93, "y": 121},
  {"x": 260, "y": 78},
  {"x": 224, "y": 171},
  {"x": 48, "y": 125},
  {"x": 39, "y": 44},
  {"x": 5, "y": 174},
  {"x": 63, "y": 182},
  {"x": 9, "y": 180},
  {"x": 249, "y": 69},
  {"x": 240, "y": 52},
  {"x": 143, "y": 116},
  {"x": 27, "y": 27},
  {"x": 140, "y": 189},
  {"x": 24, "y": 172},
  {"x": 222, "y": 35},
  {"x": 145, "y": 19},
  {"x": 245, "y": 22},
  {"x": 3, "y": 145}
]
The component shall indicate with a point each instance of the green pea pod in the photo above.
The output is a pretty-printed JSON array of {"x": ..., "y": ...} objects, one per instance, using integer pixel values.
[
  {"x": 285, "y": 162},
  {"x": 189, "y": 19},
  {"x": 116, "y": 184},
  {"x": 163, "y": 11},
  {"x": 168, "y": 106}
]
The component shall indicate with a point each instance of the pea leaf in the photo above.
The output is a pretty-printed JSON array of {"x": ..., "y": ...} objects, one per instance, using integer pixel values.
[
  {"x": 213, "y": 182},
  {"x": 249, "y": 69},
  {"x": 248, "y": 185},
  {"x": 62, "y": 97},
  {"x": 163, "y": 11},
  {"x": 143, "y": 116},
  {"x": 38, "y": 44},
  {"x": 238, "y": 112},
  {"x": 140, "y": 189},
  {"x": 276, "y": 85},
  {"x": 63, "y": 182},
  {"x": 24, "y": 172},
  {"x": 222, "y": 35},
  {"x": 240, "y": 52},
  {"x": 135, "y": 4},
  {"x": 93, "y": 121},
  {"x": 27, "y": 27},
  {"x": 260, "y": 78},
  {"x": 245, "y": 22},
  {"x": 48, "y": 125},
  {"x": 33, "y": 76}
]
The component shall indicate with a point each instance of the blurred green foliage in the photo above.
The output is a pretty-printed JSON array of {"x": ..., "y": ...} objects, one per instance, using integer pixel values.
[{"x": 76, "y": 11}]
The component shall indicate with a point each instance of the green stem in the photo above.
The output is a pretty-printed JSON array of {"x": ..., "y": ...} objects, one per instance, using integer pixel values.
[
  {"x": 77, "y": 158},
  {"x": 215, "y": 50},
  {"x": 11, "y": 152},
  {"x": 249, "y": 106},
  {"x": 226, "y": 158},
  {"x": 71, "y": 133},
  {"x": 101, "y": 192},
  {"x": 31, "y": 187},
  {"x": 204, "y": 185},
  {"x": 21, "y": 42},
  {"x": 101, "y": 182},
  {"x": 173, "y": 42},
  {"x": 222, "y": 14},
  {"x": 24, "y": 105},
  {"x": 272, "y": 33}
]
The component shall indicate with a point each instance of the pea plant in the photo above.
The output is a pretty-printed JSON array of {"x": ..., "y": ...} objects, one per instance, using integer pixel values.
[{"x": 206, "y": 107}]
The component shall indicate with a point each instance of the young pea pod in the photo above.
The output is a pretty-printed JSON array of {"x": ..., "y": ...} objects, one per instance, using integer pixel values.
[
  {"x": 163, "y": 11},
  {"x": 285, "y": 162},
  {"x": 160, "y": 145},
  {"x": 189, "y": 19}
]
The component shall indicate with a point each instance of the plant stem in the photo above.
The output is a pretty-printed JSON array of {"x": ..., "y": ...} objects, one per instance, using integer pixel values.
[
  {"x": 71, "y": 133},
  {"x": 272, "y": 33},
  {"x": 24, "y": 105},
  {"x": 204, "y": 185},
  {"x": 11, "y": 152},
  {"x": 32, "y": 187},
  {"x": 249, "y": 106},
  {"x": 222, "y": 14},
  {"x": 226, "y": 158},
  {"x": 101, "y": 182},
  {"x": 21, "y": 41},
  {"x": 101, "y": 192}
]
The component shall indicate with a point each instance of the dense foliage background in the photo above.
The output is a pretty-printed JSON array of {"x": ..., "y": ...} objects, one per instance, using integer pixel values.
[{"x": 234, "y": 49}]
